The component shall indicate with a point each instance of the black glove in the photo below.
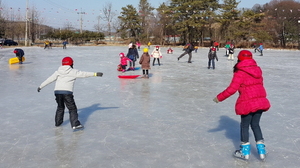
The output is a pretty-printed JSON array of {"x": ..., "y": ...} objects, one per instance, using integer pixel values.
[
  {"x": 98, "y": 74},
  {"x": 38, "y": 89}
]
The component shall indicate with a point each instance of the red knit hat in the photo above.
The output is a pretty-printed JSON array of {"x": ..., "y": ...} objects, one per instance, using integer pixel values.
[
  {"x": 122, "y": 55},
  {"x": 67, "y": 61},
  {"x": 244, "y": 54}
]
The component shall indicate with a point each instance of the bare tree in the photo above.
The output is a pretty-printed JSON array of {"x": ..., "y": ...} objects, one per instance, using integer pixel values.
[
  {"x": 68, "y": 26},
  {"x": 108, "y": 16},
  {"x": 98, "y": 26}
]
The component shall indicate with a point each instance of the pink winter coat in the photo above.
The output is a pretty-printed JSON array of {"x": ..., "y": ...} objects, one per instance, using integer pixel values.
[
  {"x": 124, "y": 60},
  {"x": 248, "y": 81}
]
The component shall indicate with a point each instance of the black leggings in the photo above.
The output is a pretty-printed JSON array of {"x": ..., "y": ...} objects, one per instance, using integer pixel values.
[
  {"x": 68, "y": 100},
  {"x": 157, "y": 61},
  {"x": 132, "y": 64},
  {"x": 145, "y": 71},
  {"x": 252, "y": 120}
]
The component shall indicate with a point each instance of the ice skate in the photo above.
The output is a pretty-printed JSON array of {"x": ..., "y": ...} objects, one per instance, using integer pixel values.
[
  {"x": 77, "y": 127},
  {"x": 261, "y": 150},
  {"x": 244, "y": 151}
]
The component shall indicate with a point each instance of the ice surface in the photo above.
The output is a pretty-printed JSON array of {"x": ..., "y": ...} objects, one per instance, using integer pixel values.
[{"x": 166, "y": 121}]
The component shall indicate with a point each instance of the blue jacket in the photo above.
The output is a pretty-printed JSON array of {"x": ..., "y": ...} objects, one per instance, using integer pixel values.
[
  {"x": 19, "y": 52},
  {"x": 132, "y": 54}
]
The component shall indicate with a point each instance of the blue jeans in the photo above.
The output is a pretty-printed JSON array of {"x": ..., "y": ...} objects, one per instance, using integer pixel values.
[
  {"x": 211, "y": 61},
  {"x": 252, "y": 120}
]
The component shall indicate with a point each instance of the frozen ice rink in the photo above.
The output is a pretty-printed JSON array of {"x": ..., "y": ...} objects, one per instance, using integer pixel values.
[{"x": 166, "y": 121}]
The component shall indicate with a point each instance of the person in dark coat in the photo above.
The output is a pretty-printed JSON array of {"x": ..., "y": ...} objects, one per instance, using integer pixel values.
[
  {"x": 212, "y": 55},
  {"x": 19, "y": 53},
  {"x": 188, "y": 49},
  {"x": 133, "y": 55}
]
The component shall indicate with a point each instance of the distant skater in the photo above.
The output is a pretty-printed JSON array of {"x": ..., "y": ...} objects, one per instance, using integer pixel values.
[
  {"x": 212, "y": 55},
  {"x": 19, "y": 53},
  {"x": 65, "y": 44},
  {"x": 188, "y": 49},
  {"x": 65, "y": 77},
  {"x": 261, "y": 48},
  {"x": 251, "y": 103},
  {"x": 231, "y": 52},
  {"x": 170, "y": 50},
  {"x": 156, "y": 54}
]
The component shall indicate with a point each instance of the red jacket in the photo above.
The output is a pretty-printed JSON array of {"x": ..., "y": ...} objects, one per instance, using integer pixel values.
[
  {"x": 248, "y": 81},
  {"x": 123, "y": 60}
]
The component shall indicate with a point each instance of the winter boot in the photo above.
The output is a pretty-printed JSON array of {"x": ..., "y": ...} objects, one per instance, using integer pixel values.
[
  {"x": 144, "y": 76},
  {"x": 261, "y": 149},
  {"x": 244, "y": 151},
  {"x": 147, "y": 76}
]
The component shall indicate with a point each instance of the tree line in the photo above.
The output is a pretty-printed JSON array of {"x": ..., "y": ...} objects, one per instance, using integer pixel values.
[{"x": 276, "y": 24}]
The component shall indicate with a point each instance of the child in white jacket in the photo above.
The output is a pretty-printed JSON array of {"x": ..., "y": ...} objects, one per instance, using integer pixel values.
[
  {"x": 156, "y": 54},
  {"x": 65, "y": 77}
]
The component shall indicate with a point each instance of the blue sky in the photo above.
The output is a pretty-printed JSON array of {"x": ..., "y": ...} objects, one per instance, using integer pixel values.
[{"x": 58, "y": 12}]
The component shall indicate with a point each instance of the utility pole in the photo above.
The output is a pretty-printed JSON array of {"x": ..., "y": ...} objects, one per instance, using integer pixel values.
[
  {"x": 81, "y": 13},
  {"x": 26, "y": 24},
  {"x": 298, "y": 35}
]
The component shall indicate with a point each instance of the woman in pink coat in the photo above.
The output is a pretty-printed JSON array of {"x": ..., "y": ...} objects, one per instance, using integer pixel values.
[{"x": 251, "y": 103}]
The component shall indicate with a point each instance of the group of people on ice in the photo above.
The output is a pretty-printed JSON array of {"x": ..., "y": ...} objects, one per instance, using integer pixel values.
[
  {"x": 132, "y": 56},
  {"x": 247, "y": 79}
]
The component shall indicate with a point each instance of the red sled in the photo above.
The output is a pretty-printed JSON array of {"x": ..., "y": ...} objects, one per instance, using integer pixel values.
[{"x": 128, "y": 76}]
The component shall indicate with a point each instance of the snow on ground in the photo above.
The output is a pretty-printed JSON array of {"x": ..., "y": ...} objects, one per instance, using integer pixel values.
[{"x": 168, "y": 120}]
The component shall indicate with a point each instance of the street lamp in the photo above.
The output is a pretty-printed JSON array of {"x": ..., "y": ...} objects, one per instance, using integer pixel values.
[
  {"x": 26, "y": 24},
  {"x": 81, "y": 13}
]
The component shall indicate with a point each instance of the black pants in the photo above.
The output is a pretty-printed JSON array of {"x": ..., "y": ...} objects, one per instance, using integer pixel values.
[
  {"x": 20, "y": 58},
  {"x": 123, "y": 67},
  {"x": 251, "y": 119},
  {"x": 157, "y": 61},
  {"x": 189, "y": 53},
  {"x": 211, "y": 62},
  {"x": 132, "y": 64},
  {"x": 145, "y": 71},
  {"x": 68, "y": 100}
]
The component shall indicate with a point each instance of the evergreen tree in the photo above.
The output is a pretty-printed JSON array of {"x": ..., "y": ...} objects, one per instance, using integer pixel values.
[
  {"x": 192, "y": 17},
  {"x": 228, "y": 14},
  {"x": 146, "y": 16},
  {"x": 130, "y": 22}
]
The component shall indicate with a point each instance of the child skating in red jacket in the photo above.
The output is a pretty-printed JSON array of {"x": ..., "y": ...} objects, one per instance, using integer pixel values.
[
  {"x": 123, "y": 61},
  {"x": 251, "y": 103}
]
